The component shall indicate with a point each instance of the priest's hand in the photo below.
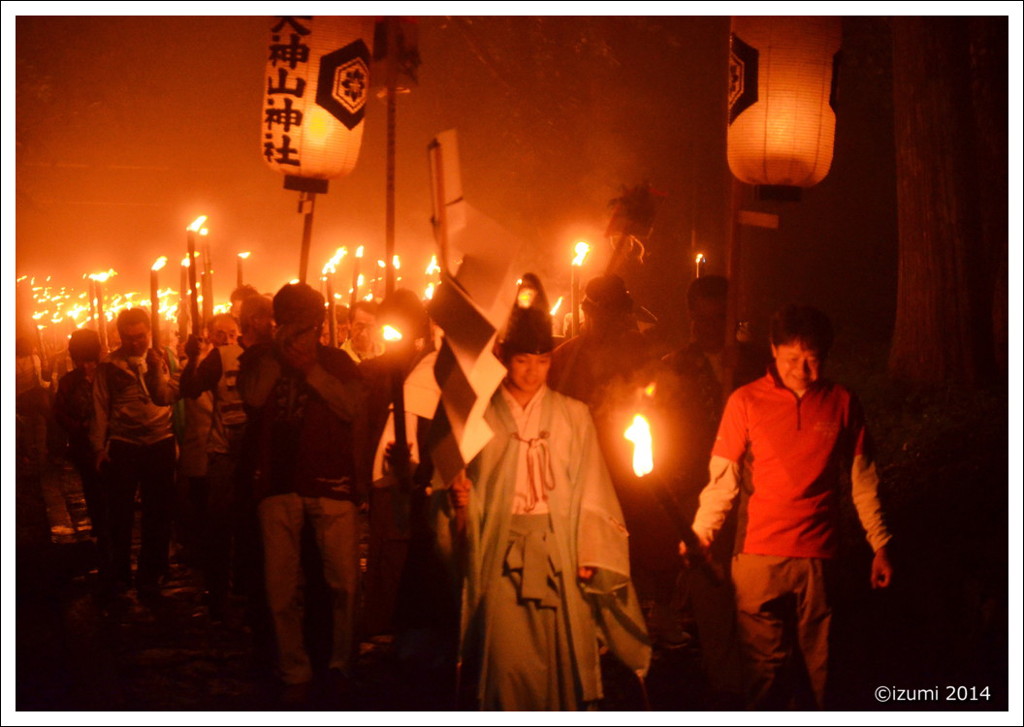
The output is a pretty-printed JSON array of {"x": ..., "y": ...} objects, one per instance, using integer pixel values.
[{"x": 459, "y": 491}]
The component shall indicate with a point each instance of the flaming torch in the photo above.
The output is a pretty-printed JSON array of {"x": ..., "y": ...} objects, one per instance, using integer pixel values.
[
  {"x": 354, "y": 295},
  {"x": 639, "y": 433},
  {"x": 193, "y": 287},
  {"x": 154, "y": 298},
  {"x": 701, "y": 262},
  {"x": 328, "y": 275},
  {"x": 242, "y": 257},
  {"x": 183, "y": 300},
  {"x": 101, "y": 319},
  {"x": 207, "y": 279},
  {"x": 554, "y": 315},
  {"x": 582, "y": 249}
]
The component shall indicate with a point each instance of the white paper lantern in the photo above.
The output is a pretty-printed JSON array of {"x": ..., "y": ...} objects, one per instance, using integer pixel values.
[
  {"x": 781, "y": 99},
  {"x": 316, "y": 84}
]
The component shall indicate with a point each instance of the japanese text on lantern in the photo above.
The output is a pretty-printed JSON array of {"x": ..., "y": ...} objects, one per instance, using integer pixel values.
[{"x": 288, "y": 59}]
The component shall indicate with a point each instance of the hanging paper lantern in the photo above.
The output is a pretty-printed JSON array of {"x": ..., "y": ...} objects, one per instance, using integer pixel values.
[
  {"x": 317, "y": 81},
  {"x": 782, "y": 74}
]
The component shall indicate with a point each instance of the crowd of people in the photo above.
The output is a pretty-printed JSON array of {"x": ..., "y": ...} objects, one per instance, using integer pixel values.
[{"x": 271, "y": 438}]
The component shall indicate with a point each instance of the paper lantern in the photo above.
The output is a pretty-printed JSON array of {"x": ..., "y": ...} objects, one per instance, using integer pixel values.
[
  {"x": 316, "y": 85},
  {"x": 782, "y": 121}
]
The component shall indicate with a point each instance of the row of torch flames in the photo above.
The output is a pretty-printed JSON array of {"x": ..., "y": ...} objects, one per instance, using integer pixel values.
[
  {"x": 62, "y": 310},
  {"x": 59, "y": 310}
]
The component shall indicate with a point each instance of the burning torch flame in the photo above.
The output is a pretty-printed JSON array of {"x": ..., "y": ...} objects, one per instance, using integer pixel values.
[
  {"x": 433, "y": 267},
  {"x": 197, "y": 223},
  {"x": 554, "y": 311},
  {"x": 582, "y": 249},
  {"x": 359, "y": 251},
  {"x": 390, "y": 333},
  {"x": 396, "y": 262},
  {"x": 428, "y": 294},
  {"x": 331, "y": 266},
  {"x": 103, "y": 277},
  {"x": 244, "y": 255},
  {"x": 159, "y": 264},
  {"x": 639, "y": 433}
]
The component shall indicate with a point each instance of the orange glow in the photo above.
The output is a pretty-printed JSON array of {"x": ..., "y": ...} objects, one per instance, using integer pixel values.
[
  {"x": 582, "y": 249},
  {"x": 525, "y": 297},
  {"x": 639, "y": 433}
]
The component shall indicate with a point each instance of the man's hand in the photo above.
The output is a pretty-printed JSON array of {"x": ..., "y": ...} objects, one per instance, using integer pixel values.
[
  {"x": 703, "y": 542},
  {"x": 881, "y": 569}
]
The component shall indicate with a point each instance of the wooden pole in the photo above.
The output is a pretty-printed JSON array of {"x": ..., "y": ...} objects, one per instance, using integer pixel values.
[
  {"x": 307, "y": 203},
  {"x": 392, "y": 112},
  {"x": 193, "y": 285}
]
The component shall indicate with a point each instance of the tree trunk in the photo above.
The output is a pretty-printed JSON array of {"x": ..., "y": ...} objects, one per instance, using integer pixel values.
[{"x": 949, "y": 86}]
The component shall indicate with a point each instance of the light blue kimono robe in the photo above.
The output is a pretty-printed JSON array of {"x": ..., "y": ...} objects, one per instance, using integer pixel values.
[{"x": 586, "y": 529}]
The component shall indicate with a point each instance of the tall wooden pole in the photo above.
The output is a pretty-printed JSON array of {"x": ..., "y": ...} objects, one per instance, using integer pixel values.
[
  {"x": 392, "y": 112},
  {"x": 193, "y": 285},
  {"x": 307, "y": 202}
]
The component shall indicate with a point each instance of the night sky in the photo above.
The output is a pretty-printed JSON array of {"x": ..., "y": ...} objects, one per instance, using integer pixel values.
[{"x": 130, "y": 127}]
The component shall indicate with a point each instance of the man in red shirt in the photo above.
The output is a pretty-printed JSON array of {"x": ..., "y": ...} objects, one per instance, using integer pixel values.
[{"x": 799, "y": 430}]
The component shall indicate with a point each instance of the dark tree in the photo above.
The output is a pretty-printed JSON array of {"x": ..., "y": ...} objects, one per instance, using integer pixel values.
[{"x": 950, "y": 105}]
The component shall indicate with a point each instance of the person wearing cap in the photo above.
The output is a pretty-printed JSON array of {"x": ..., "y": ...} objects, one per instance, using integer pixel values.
[
  {"x": 799, "y": 429},
  {"x": 547, "y": 554},
  {"x": 73, "y": 411},
  {"x": 608, "y": 367},
  {"x": 307, "y": 406},
  {"x": 133, "y": 445}
]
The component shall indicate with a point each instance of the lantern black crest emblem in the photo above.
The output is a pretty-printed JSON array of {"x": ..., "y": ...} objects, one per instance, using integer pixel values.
[
  {"x": 742, "y": 76},
  {"x": 344, "y": 82}
]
